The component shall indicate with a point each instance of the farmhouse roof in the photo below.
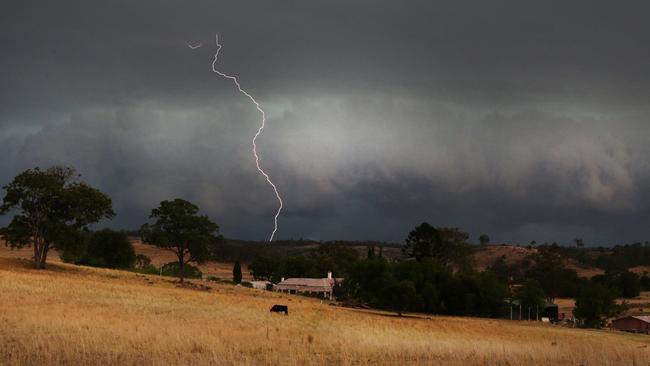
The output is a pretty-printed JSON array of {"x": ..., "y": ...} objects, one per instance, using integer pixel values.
[
  {"x": 643, "y": 318},
  {"x": 311, "y": 282}
]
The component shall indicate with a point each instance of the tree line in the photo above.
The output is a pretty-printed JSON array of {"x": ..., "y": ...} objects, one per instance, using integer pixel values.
[
  {"x": 437, "y": 276},
  {"x": 54, "y": 209}
]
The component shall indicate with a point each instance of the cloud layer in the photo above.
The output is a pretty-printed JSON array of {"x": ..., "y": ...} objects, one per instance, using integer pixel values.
[{"x": 526, "y": 123}]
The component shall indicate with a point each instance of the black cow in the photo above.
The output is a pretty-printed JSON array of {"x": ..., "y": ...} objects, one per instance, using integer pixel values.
[{"x": 280, "y": 309}]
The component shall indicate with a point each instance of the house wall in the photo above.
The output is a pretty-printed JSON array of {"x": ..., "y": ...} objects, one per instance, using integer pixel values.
[
  {"x": 303, "y": 288},
  {"x": 630, "y": 324},
  {"x": 293, "y": 289}
]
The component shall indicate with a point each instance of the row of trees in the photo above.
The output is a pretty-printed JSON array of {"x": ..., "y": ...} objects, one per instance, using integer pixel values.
[
  {"x": 437, "y": 282},
  {"x": 53, "y": 209},
  {"x": 438, "y": 277},
  {"x": 337, "y": 258},
  {"x": 425, "y": 286}
]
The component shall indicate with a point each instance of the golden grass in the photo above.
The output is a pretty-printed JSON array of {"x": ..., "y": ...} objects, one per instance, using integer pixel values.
[
  {"x": 157, "y": 255},
  {"x": 565, "y": 306},
  {"x": 69, "y": 315},
  {"x": 209, "y": 268}
]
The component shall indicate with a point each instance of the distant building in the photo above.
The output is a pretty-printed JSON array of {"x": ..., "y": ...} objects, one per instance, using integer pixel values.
[
  {"x": 632, "y": 323},
  {"x": 320, "y": 286},
  {"x": 550, "y": 311}
]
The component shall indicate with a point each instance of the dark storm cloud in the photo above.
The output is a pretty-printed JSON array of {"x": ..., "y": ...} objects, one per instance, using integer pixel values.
[{"x": 525, "y": 121}]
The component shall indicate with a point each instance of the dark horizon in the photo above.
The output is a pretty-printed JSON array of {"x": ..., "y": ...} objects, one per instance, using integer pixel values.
[
  {"x": 521, "y": 121},
  {"x": 472, "y": 240}
]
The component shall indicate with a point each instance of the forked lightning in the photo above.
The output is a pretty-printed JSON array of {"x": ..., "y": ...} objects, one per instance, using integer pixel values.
[{"x": 257, "y": 134}]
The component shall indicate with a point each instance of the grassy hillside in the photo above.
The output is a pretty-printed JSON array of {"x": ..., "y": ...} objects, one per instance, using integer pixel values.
[
  {"x": 78, "y": 315},
  {"x": 157, "y": 255},
  {"x": 485, "y": 256}
]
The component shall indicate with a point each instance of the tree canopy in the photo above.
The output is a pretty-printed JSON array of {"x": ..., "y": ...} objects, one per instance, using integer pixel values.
[
  {"x": 530, "y": 295},
  {"x": 177, "y": 227},
  {"x": 110, "y": 249},
  {"x": 424, "y": 241},
  {"x": 51, "y": 209},
  {"x": 552, "y": 275},
  {"x": 484, "y": 239},
  {"x": 446, "y": 245},
  {"x": 595, "y": 304},
  {"x": 266, "y": 268}
]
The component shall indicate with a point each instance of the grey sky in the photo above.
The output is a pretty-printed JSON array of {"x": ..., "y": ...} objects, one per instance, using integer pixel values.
[{"x": 526, "y": 121}]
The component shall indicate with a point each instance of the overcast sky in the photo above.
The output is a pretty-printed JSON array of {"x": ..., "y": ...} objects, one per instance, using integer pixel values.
[{"x": 522, "y": 120}]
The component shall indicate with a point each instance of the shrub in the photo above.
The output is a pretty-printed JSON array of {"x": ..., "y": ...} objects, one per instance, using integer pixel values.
[
  {"x": 190, "y": 271},
  {"x": 142, "y": 261},
  {"x": 104, "y": 248},
  {"x": 150, "y": 270},
  {"x": 109, "y": 248},
  {"x": 223, "y": 281}
]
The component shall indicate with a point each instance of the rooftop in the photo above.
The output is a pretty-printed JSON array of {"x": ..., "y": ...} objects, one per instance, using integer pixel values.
[
  {"x": 311, "y": 282},
  {"x": 643, "y": 318}
]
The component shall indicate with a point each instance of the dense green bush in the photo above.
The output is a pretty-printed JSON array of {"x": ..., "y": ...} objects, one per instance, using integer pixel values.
[
  {"x": 150, "y": 270},
  {"x": 172, "y": 269},
  {"x": 104, "y": 248},
  {"x": 627, "y": 284},
  {"x": 227, "y": 282},
  {"x": 425, "y": 286},
  {"x": 266, "y": 268},
  {"x": 109, "y": 248}
]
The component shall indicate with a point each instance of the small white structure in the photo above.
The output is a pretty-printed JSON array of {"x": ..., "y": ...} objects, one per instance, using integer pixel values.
[
  {"x": 261, "y": 285},
  {"x": 324, "y": 286}
]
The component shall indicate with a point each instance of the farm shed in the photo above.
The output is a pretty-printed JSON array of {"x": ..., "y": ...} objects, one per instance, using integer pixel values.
[
  {"x": 321, "y": 286},
  {"x": 550, "y": 311},
  {"x": 638, "y": 323}
]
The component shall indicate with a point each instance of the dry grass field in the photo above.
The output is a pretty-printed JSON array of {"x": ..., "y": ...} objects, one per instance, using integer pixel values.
[
  {"x": 70, "y": 315},
  {"x": 157, "y": 255},
  {"x": 636, "y": 306},
  {"x": 209, "y": 268}
]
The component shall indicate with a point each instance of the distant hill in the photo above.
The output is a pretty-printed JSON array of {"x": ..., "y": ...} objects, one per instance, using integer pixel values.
[
  {"x": 247, "y": 250},
  {"x": 486, "y": 256}
]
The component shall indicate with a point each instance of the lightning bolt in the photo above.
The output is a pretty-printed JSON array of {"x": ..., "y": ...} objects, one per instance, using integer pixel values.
[
  {"x": 257, "y": 134},
  {"x": 193, "y": 46}
]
